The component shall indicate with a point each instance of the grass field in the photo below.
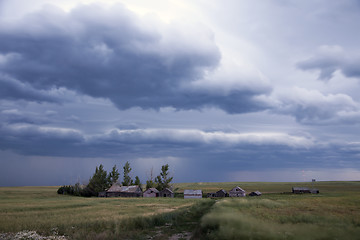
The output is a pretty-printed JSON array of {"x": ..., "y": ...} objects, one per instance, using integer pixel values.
[{"x": 332, "y": 214}]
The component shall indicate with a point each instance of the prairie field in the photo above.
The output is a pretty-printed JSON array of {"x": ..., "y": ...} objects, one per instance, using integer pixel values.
[{"x": 277, "y": 214}]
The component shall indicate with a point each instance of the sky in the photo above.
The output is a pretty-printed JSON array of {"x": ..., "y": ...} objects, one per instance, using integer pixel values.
[{"x": 219, "y": 90}]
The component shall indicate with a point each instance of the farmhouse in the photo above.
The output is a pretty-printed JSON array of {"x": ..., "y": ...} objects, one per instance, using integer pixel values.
[
  {"x": 220, "y": 193},
  {"x": 255, "y": 194},
  {"x": 151, "y": 192},
  {"x": 237, "y": 192},
  {"x": 167, "y": 193},
  {"x": 116, "y": 190},
  {"x": 192, "y": 193}
]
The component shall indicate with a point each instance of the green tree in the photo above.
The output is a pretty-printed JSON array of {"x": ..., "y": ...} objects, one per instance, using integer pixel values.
[
  {"x": 99, "y": 181},
  {"x": 137, "y": 181},
  {"x": 127, "y": 179},
  {"x": 114, "y": 175},
  {"x": 163, "y": 180}
]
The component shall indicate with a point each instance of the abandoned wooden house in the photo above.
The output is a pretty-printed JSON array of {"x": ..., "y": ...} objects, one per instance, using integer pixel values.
[
  {"x": 188, "y": 193},
  {"x": 301, "y": 190},
  {"x": 116, "y": 190},
  {"x": 151, "y": 192},
  {"x": 255, "y": 194},
  {"x": 237, "y": 192},
  {"x": 220, "y": 193},
  {"x": 167, "y": 193}
]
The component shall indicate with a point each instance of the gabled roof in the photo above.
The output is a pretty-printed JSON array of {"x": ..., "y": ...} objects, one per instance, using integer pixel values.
[
  {"x": 192, "y": 192},
  {"x": 237, "y": 189},
  {"x": 152, "y": 190},
  {"x": 118, "y": 188},
  {"x": 222, "y": 190},
  {"x": 301, "y": 189},
  {"x": 167, "y": 190}
]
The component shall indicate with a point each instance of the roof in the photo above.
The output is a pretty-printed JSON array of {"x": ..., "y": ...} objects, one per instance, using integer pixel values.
[
  {"x": 222, "y": 190},
  {"x": 152, "y": 190},
  {"x": 118, "y": 188},
  {"x": 237, "y": 189},
  {"x": 167, "y": 190},
  {"x": 192, "y": 192},
  {"x": 301, "y": 189}
]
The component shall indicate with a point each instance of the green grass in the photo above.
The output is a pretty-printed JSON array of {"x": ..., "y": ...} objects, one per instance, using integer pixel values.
[
  {"x": 277, "y": 214},
  {"x": 332, "y": 214},
  {"x": 42, "y": 209}
]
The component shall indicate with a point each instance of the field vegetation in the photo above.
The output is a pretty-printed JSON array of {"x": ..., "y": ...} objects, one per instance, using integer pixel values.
[{"x": 277, "y": 214}]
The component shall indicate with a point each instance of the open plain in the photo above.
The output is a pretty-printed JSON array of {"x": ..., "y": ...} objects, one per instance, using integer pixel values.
[{"x": 277, "y": 214}]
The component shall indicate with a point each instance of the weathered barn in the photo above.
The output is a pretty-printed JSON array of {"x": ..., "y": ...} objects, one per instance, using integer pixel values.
[
  {"x": 237, "y": 192},
  {"x": 192, "y": 193},
  {"x": 301, "y": 190},
  {"x": 116, "y": 190},
  {"x": 167, "y": 193},
  {"x": 220, "y": 193},
  {"x": 256, "y": 193},
  {"x": 151, "y": 192}
]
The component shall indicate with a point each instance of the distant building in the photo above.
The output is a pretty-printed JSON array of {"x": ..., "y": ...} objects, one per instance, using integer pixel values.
[
  {"x": 255, "y": 194},
  {"x": 116, "y": 190},
  {"x": 192, "y": 193},
  {"x": 220, "y": 193},
  {"x": 151, "y": 192},
  {"x": 301, "y": 190},
  {"x": 237, "y": 192},
  {"x": 167, "y": 193}
]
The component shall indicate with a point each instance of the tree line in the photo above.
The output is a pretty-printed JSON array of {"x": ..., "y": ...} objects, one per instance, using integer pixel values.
[{"x": 101, "y": 181}]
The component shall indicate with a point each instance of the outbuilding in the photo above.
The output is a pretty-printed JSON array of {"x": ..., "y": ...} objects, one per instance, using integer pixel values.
[
  {"x": 220, "y": 193},
  {"x": 189, "y": 193},
  {"x": 166, "y": 193},
  {"x": 151, "y": 192},
  {"x": 300, "y": 190},
  {"x": 237, "y": 192},
  {"x": 116, "y": 190},
  {"x": 255, "y": 194}
]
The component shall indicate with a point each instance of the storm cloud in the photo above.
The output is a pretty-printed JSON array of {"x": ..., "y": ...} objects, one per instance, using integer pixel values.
[
  {"x": 112, "y": 53},
  {"x": 221, "y": 92}
]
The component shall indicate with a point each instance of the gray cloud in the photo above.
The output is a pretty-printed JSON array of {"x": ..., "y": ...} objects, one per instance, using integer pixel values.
[
  {"x": 330, "y": 59},
  {"x": 314, "y": 107},
  {"x": 12, "y": 89},
  {"x": 113, "y": 54}
]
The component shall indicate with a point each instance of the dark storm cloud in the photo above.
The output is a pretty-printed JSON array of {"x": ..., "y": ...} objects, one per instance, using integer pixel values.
[
  {"x": 330, "y": 59},
  {"x": 12, "y": 89},
  {"x": 113, "y": 54}
]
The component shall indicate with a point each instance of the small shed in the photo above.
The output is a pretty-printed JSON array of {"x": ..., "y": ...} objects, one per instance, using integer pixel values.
[
  {"x": 151, "y": 192},
  {"x": 116, "y": 190},
  {"x": 255, "y": 194},
  {"x": 220, "y": 193},
  {"x": 189, "y": 193},
  {"x": 167, "y": 193},
  {"x": 237, "y": 192},
  {"x": 301, "y": 190}
]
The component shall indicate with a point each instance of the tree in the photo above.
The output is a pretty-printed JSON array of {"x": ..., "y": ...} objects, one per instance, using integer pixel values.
[
  {"x": 137, "y": 181},
  {"x": 163, "y": 180},
  {"x": 150, "y": 183},
  {"x": 114, "y": 175},
  {"x": 127, "y": 179},
  {"x": 99, "y": 181}
]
